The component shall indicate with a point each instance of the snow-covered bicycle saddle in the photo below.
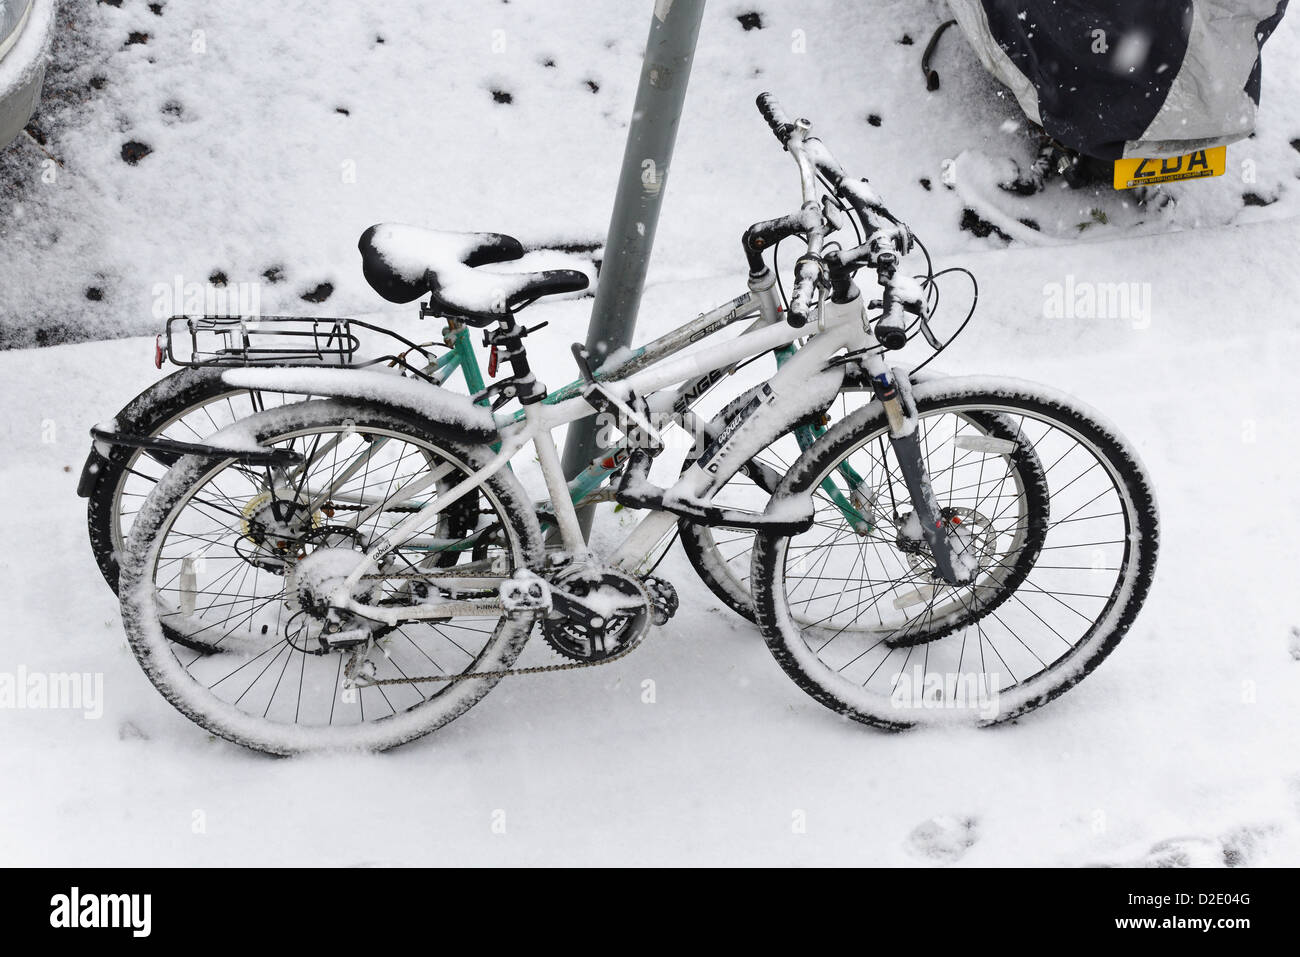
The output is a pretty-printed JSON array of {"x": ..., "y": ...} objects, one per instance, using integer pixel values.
[{"x": 403, "y": 263}]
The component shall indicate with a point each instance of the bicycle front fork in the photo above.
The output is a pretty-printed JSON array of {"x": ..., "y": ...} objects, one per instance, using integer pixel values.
[{"x": 894, "y": 390}]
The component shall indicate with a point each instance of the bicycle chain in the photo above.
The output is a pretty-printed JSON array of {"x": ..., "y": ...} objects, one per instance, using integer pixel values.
[
  {"x": 499, "y": 673},
  {"x": 506, "y": 672},
  {"x": 502, "y": 672}
]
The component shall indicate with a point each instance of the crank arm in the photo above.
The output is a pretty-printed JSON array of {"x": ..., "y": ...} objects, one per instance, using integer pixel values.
[{"x": 571, "y": 606}]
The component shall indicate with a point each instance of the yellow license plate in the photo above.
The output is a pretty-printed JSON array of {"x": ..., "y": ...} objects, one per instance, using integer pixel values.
[{"x": 1147, "y": 172}]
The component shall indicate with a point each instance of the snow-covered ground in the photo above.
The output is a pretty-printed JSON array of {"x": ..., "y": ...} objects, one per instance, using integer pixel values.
[{"x": 1184, "y": 735}]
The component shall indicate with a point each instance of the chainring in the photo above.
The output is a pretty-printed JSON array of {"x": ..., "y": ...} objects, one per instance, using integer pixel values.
[{"x": 596, "y": 631}]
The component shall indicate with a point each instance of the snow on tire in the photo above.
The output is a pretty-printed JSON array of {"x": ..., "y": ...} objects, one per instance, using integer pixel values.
[
  {"x": 1089, "y": 578},
  {"x": 379, "y": 717}
]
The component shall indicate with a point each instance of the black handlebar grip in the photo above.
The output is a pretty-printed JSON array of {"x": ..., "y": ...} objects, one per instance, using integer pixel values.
[
  {"x": 891, "y": 328},
  {"x": 798, "y": 316},
  {"x": 807, "y": 273},
  {"x": 775, "y": 116}
]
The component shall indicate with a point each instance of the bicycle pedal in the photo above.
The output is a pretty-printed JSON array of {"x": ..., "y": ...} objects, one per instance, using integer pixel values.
[
  {"x": 635, "y": 490},
  {"x": 525, "y": 592},
  {"x": 663, "y": 599}
]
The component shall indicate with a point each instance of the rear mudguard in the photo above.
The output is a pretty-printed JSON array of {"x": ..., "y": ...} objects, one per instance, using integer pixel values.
[
  {"x": 445, "y": 412},
  {"x": 140, "y": 417}
]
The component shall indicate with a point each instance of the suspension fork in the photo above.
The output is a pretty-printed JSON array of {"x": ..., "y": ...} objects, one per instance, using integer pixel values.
[{"x": 893, "y": 389}]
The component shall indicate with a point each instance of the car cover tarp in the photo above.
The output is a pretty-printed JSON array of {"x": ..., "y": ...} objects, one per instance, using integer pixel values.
[{"x": 1114, "y": 78}]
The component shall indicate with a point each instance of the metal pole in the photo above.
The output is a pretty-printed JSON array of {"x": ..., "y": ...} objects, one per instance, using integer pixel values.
[{"x": 665, "y": 71}]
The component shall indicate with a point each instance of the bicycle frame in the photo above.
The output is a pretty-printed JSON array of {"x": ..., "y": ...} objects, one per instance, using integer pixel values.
[
  {"x": 760, "y": 302},
  {"x": 655, "y": 368}
]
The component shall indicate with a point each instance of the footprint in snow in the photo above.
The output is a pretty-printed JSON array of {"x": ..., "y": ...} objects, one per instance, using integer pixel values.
[
  {"x": 319, "y": 294},
  {"x": 1243, "y": 845},
  {"x": 1254, "y": 199},
  {"x": 130, "y": 731},
  {"x": 1293, "y": 643},
  {"x": 133, "y": 152},
  {"x": 944, "y": 839},
  {"x": 1184, "y": 852},
  {"x": 1239, "y": 847}
]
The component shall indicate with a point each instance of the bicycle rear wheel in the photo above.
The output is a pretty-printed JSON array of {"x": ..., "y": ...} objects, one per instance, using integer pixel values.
[
  {"x": 187, "y": 405},
  {"x": 239, "y": 559}
]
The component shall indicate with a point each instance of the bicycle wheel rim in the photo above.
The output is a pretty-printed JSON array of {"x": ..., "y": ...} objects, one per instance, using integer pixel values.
[
  {"x": 377, "y": 718},
  {"x": 931, "y": 696}
]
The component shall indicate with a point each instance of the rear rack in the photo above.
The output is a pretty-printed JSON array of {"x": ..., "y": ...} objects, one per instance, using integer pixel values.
[
  {"x": 205, "y": 341},
  {"x": 264, "y": 340}
]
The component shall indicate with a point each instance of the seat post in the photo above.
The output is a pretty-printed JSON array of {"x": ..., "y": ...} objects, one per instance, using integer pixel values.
[{"x": 508, "y": 339}]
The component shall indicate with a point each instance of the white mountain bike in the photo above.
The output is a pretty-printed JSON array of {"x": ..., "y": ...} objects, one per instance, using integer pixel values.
[{"x": 960, "y": 550}]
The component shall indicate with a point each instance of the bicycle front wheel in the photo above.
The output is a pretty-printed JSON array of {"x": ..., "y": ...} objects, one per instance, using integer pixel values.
[{"x": 857, "y": 616}]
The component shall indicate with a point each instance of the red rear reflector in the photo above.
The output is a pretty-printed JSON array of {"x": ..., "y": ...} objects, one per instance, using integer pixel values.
[
  {"x": 157, "y": 352},
  {"x": 492, "y": 363}
]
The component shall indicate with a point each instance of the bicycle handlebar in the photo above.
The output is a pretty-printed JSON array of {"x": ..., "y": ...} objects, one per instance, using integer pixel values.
[
  {"x": 775, "y": 116},
  {"x": 884, "y": 233}
]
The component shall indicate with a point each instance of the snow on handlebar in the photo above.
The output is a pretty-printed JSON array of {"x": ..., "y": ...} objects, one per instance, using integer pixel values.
[
  {"x": 885, "y": 235},
  {"x": 807, "y": 278},
  {"x": 775, "y": 116}
]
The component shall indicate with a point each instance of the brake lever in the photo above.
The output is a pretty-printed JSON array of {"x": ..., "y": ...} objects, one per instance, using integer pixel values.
[
  {"x": 926, "y": 331},
  {"x": 832, "y": 214}
]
